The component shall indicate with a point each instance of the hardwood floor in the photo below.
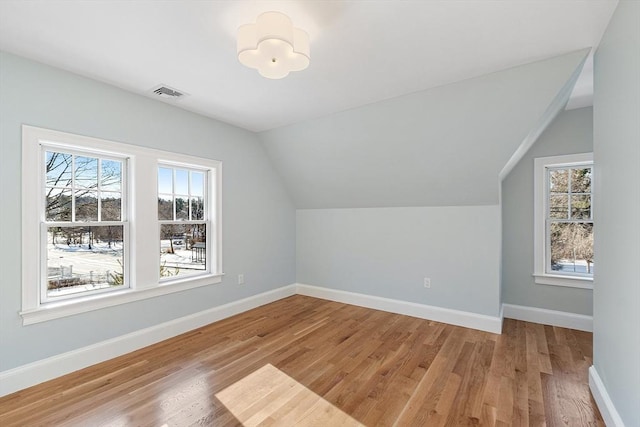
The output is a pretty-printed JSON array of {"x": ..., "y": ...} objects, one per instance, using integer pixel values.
[{"x": 306, "y": 361}]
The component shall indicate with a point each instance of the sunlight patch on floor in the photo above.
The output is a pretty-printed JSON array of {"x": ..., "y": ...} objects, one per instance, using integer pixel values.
[{"x": 268, "y": 396}]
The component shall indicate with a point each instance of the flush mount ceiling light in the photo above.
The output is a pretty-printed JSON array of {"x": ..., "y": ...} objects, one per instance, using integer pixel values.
[{"x": 272, "y": 46}]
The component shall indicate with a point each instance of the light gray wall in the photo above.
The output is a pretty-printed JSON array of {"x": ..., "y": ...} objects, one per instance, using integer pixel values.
[
  {"x": 616, "y": 313},
  {"x": 258, "y": 216},
  {"x": 387, "y": 252},
  {"x": 440, "y": 147},
  {"x": 422, "y": 171},
  {"x": 570, "y": 133}
]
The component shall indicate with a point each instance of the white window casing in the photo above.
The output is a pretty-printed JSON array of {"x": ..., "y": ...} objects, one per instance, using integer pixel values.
[
  {"x": 542, "y": 256},
  {"x": 139, "y": 218}
]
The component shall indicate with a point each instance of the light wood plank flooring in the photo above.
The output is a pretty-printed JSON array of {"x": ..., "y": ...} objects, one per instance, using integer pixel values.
[{"x": 305, "y": 361}]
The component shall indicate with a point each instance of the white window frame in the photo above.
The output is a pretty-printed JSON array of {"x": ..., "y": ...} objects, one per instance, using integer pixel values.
[
  {"x": 44, "y": 225},
  {"x": 141, "y": 189},
  {"x": 541, "y": 166}
]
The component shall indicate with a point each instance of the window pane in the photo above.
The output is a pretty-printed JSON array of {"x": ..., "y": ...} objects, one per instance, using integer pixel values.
[
  {"x": 165, "y": 180},
  {"x": 86, "y": 173},
  {"x": 581, "y": 180},
  {"x": 86, "y": 206},
  {"x": 84, "y": 259},
  {"x": 580, "y": 206},
  {"x": 58, "y": 205},
  {"x": 111, "y": 208},
  {"x": 165, "y": 207},
  {"x": 558, "y": 179},
  {"x": 182, "y": 208},
  {"x": 58, "y": 166},
  {"x": 182, "y": 249},
  {"x": 182, "y": 182},
  {"x": 111, "y": 176},
  {"x": 197, "y": 208},
  {"x": 559, "y": 206},
  {"x": 197, "y": 183},
  {"x": 571, "y": 247}
]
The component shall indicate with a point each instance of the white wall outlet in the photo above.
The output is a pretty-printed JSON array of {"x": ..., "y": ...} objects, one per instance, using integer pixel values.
[
  {"x": 427, "y": 282},
  {"x": 241, "y": 279}
]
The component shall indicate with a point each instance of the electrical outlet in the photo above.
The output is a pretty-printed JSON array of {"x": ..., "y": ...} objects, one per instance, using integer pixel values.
[
  {"x": 241, "y": 279},
  {"x": 427, "y": 282}
]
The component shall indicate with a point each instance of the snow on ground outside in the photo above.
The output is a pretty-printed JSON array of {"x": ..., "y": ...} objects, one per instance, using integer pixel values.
[{"x": 101, "y": 261}]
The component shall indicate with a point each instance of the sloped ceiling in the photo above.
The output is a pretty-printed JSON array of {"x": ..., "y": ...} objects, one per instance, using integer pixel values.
[
  {"x": 361, "y": 51},
  {"x": 440, "y": 147},
  {"x": 404, "y": 103}
]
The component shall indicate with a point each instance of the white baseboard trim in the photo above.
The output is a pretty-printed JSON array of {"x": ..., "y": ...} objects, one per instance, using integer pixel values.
[
  {"x": 446, "y": 315},
  {"x": 52, "y": 367},
  {"x": 563, "y": 319},
  {"x": 601, "y": 396}
]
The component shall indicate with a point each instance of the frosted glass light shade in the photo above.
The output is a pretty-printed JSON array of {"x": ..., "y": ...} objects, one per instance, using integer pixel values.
[{"x": 272, "y": 46}]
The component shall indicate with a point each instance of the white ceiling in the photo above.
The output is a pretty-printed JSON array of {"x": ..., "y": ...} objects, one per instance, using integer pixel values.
[{"x": 361, "y": 51}]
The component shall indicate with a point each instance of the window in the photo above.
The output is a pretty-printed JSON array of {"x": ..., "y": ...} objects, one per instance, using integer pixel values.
[
  {"x": 83, "y": 229},
  {"x": 183, "y": 225},
  {"x": 564, "y": 221},
  {"x": 87, "y": 238}
]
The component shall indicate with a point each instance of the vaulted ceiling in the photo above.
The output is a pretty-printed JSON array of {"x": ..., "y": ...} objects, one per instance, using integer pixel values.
[
  {"x": 445, "y": 146},
  {"x": 361, "y": 51},
  {"x": 405, "y": 103}
]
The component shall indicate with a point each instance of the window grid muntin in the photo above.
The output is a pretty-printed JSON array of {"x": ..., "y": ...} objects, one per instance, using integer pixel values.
[
  {"x": 63, "y": 149},
  {"x": 205, "y": 182},
  {"x": 569, "y": 191}
]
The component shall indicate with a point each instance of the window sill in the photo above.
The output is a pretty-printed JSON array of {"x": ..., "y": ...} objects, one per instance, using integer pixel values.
[
  {"x": 566, "y": 281},
  {"x": 56, "y": 310}
]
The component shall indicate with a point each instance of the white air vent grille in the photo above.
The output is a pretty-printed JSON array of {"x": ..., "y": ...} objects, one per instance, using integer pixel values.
[{"x": 166, "y": 92}]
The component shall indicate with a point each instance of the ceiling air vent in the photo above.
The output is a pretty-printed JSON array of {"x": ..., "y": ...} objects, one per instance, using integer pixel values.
[{"x": 166, "y": 92}]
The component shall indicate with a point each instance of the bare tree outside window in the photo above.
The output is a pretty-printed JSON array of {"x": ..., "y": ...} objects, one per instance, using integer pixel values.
[
  {"x": 570, "y": 221},
  {"x": 84, "y": 213},
  {"x": 74, "y": 180}
]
